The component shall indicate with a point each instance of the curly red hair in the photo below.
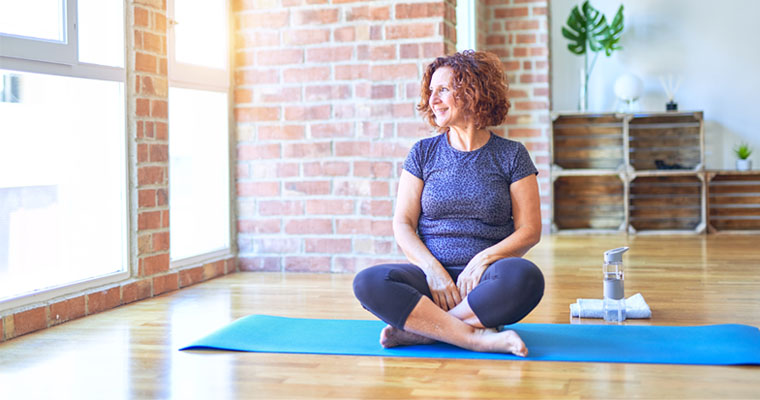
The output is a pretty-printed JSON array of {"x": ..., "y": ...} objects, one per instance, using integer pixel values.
[{"x": 480, "y": 87}]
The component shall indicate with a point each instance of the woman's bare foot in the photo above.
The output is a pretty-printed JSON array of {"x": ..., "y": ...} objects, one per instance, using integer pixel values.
[
  {"x": 392, "y": 337},
  {"x": 491, "y": 340}
]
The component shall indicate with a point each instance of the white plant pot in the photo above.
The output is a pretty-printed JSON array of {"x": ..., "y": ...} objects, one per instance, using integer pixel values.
[{"x": 743, "y": 165}]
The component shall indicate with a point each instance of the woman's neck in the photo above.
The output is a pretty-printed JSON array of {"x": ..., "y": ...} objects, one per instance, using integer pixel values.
[{"x": 467, "y": 139}]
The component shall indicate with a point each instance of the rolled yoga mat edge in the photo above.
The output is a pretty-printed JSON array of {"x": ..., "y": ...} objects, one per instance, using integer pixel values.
[{"x": 727, "y": 344}]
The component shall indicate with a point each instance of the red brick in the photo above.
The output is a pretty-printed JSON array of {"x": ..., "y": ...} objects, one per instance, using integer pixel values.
[
  {"x": 373, "y": 169},
  {"x": 279, "y": 57},
  {"x": 410, "y": 31},
  {"x": 351, "y": 72},
  {"x": 276, "y": 245},
  {"x": 148, "y": 220},
  {"x": 153, "y": 43},
  {"x": 141, "y": 17},
  {"x": 329, "y": 207},
  {"x": 278, "y": 94},
  {"x": 259, "y": 226},
  {"x": 328, "y": 168},
  {"x": 307, "y": 113},
  {"x": 393, "y": 72},
  {"x": 190, "y": 276},
  {"x": 521, "y": 25},
  {"x": 256, "y": 114},
  {"x": 343, "y": 149},
  {"x": 332, "y": 130},
  {"x": 514, "y": 12},
  {"x": 258, "y": 151},
  {"x": 410, "y": 50},
  {"x": 383, "y": 91},
  {"x": 377, "y": 208},
  {"x": 353, "y": 226},
  {"x": 344, "y": 265},
  {"x": 382, "y": 228},
  {"x": 159, "y": 152},
  {"x": 327, "y": 92},
  {"x": 159, "y": 20},
  {"x": 165, "y": 283},
  {"x": 344, "y": 34},
  {"x": 280, "y": 207},
  {"x": 329, "y": 54},
  {"x": 146, "y": 198},
  {"x": 258, "y": 189},
  {"x": 29, "y": 321},
  {"x": 361, "y": 187},
  {"x": 281, "y": 132},
  {"x": 159, "y": 109},
  {"x": 67, "y": 310},
  {"x": 160, "y": 241},
  {"x": 379, "y": 53},
  {"x": 419, "y": 10},
  {"x": 307, "y": 264},
  {"x": 137, "y": 290},
  {"x": 152, "y": 265},
  {"x": 162, "y": 130},
  {"x": 142, "y": 107},
  {"x": 258, "y": 263},
  {"x": 103, "y": 300},
  {"x": 303, "y": 150},
  {"x": 150, "y": 175},
  {"x": 308, "y": 74},
  {"x": 309, "y": 226},
  {"x": 302, "y": 37},
  {"x": 332, "y": 246},
  {"x": 307, "y": 188},
  {"x": 315, "y": 17},
  {"x": 524, "y": 132},
  {"x": 531, "y": 105},
  {"x": 145, "y": 62}
]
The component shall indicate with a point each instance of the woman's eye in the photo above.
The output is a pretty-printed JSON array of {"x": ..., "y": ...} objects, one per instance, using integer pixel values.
[{"x": 444, "y": 90}]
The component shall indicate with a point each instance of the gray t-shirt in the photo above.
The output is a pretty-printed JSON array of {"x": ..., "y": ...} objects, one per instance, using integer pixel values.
[{"x": 466, "y": 206}]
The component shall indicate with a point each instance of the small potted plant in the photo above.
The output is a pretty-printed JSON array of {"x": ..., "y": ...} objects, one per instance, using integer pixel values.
[{"x": 743, "y": 151}]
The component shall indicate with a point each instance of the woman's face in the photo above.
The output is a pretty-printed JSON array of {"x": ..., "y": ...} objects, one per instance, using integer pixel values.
[{"x": 445, "y": 109}]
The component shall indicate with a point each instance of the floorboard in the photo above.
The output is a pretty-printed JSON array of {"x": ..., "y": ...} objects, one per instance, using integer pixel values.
[{"x": 131, "y": 352}]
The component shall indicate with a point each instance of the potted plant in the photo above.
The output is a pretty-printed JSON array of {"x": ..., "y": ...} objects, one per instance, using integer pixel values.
[
  {"x": 588, "y": 31},
  {"x": 743, "y": 151}
]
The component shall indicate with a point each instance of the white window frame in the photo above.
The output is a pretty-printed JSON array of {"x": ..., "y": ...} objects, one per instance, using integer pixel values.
[
  {"x": 188, "y": 76},
  {"x": 42, "y": 56},
  {"x": 466, "y": 23}
]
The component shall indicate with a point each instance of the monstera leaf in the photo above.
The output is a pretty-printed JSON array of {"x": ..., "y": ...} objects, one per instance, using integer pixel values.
[
  {"x": 587, "y": 28},
  {"x": 614, "y": 32}
]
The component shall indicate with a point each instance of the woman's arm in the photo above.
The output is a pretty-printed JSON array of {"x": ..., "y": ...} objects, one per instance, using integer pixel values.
[
  {"x": 526, "y": 211},
  {"x": 405, "y": 218}
]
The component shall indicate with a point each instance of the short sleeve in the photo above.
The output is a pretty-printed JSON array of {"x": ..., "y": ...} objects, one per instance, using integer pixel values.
[
  {"x": 522, "y": 165},
  {"x": 413, "y": 162}
]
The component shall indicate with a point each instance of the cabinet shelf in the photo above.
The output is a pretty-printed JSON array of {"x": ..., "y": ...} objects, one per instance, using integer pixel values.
[{"x": 636, "y": 173}]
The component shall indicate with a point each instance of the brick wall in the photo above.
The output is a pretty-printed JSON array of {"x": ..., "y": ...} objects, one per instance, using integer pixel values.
[
  {"x": 325, "y": 115},
  {"x": 325, "y": 95},
  {"x": 518, "y": 31},
  {"x": 148, "y": 129}
]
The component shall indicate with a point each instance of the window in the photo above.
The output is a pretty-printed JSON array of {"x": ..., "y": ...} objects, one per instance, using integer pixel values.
[
  {"x": 466, "y": 22},
  {"x": 199, "y": 166},
  {"x": 62, "y": 148}
]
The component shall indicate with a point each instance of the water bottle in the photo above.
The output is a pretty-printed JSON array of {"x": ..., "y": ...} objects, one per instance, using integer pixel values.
[{"x": 614, "y": 291}]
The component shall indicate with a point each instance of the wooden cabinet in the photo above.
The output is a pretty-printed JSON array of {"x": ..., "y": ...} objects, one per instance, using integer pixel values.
[
  {"x": 733, "y": 201},
  {"x": 640, "y": 172}
]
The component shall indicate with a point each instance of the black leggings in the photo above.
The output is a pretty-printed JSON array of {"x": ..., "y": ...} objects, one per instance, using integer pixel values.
[{"x": 508, "y": 290}]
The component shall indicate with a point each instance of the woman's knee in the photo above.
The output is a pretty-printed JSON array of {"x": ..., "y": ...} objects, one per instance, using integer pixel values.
[
  {"x": 367, "y": 281},
  {"x": 520, "y": 271}
]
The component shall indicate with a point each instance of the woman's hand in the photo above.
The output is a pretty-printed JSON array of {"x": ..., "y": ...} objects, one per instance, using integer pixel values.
[
  {"x": 445, "y": 292},
  {"x": 470, "y": 276}
]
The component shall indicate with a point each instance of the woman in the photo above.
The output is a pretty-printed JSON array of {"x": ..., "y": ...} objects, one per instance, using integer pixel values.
[{"x": 467, "y": 208}]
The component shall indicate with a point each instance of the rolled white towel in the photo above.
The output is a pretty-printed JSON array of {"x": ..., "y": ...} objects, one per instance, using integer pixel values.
[{"x": 635, "y": 307}]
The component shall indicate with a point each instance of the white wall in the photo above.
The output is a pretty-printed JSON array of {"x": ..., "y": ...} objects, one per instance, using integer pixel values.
[{"x": 713, "y": 45}]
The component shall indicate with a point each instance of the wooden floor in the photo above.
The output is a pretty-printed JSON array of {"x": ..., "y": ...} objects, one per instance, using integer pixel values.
[{"x": 131, "y": 352}]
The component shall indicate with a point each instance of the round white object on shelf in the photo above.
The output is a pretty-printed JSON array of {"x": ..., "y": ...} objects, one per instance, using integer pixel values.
[{"x": 628, "y": 87}]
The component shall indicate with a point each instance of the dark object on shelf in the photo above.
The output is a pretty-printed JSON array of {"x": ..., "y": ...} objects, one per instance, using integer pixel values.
[
  {"x": 671, "y": 106},
  {"x": 660, "y": 164}
]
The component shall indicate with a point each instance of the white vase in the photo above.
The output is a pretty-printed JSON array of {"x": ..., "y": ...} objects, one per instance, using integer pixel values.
[{"x": 743, "y": 165}]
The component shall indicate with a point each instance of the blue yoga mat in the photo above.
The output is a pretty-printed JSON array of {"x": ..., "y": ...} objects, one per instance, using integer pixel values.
[{"x": 707, "y": 345}]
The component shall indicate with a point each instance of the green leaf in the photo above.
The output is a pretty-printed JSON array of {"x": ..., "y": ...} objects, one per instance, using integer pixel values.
[{"x": 587, "y": 28}]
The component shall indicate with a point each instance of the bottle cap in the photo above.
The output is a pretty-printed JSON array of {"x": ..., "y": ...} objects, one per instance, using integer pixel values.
[{"x": 615, "y": 255}]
